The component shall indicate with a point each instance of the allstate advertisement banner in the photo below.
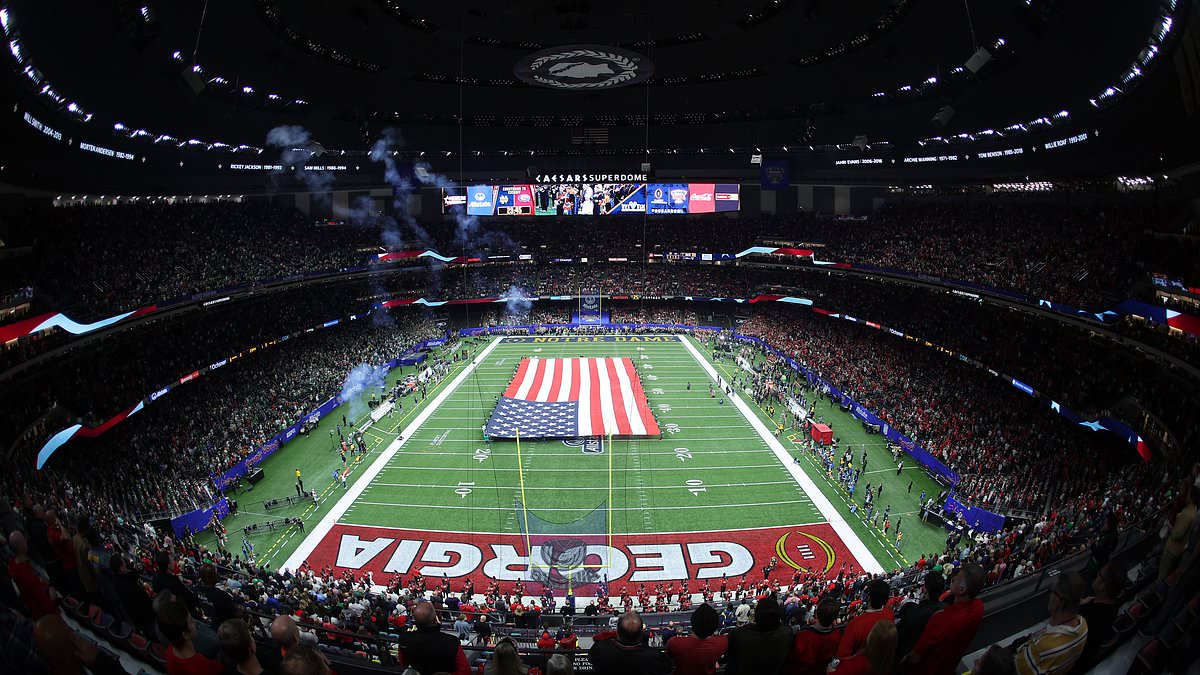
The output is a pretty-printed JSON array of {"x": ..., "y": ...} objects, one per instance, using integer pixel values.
[
  {"x": 196, "y": 521},
  {"x": 481, "y": 200},
  {"x": 630, "y": 559}
]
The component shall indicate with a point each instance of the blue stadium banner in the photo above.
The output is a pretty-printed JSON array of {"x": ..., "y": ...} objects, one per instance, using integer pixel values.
[{"x": 776, "y": 174}]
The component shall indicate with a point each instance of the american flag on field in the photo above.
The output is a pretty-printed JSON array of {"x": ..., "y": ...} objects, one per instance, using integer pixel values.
[{"x": 570, "y": 398}]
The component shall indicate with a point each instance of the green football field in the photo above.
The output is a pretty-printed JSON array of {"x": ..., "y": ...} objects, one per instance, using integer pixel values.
[{"x": 712, "y": 470}]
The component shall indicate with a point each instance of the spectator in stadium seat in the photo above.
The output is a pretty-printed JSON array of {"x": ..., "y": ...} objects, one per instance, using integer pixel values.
[
  {"x": 876, "y": 657},
  {"x": 912, "y": 617},
  {"x": 238, "y": 647},
  {"x": 1056, "y": 647},
  {"x": 305, "y": 660},
  {"x": 285, "y": 633},
  {"x": 131, "y": 595},
  {"x": 427, "y": 649},
  {"x": 505, "y": 660},
  {"x": 814, "y": 646},
  {"x": 698, "y": 653},
  {"x": 855, "y": 637},
  {"x": 165, "y": 580},
  {"x": 763, "y": 646},
  {"x": 949, "y": 631},
  {"x": 1178, "y": 535},
  {"x": 558, "y": 665},
  {"x": 624, "y": 652},
  {"x": 82, "y": 543},
  {"x": 1100, "y": 610},
  {"x": 179, "y": 628},
  {"x": 35, "y": 592},
  {"x": 224, "y": 608},
  {"x": 66, "y": 651}
]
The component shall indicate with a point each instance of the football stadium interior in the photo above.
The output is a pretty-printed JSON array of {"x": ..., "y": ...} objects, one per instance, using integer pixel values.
[{"x": 752, "y": 337}]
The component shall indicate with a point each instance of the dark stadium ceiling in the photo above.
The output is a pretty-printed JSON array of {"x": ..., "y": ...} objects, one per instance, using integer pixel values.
[{"x": 190, "y": 76}]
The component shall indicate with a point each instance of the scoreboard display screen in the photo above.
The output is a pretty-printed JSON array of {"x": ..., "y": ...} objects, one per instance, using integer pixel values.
[
  {"x": 592, "y": 199},
  {"x": 514, "y": 200}
]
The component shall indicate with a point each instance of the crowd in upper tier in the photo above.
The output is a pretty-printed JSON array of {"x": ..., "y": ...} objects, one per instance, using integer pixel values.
[{"x": 94, "y": 261}]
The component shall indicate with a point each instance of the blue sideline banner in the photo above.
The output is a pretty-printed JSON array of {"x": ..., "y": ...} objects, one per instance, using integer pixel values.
[{"x": 199, "y": 519}]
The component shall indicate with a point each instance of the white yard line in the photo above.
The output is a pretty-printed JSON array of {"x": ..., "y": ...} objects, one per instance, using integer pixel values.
[
  {"x": 680, "y": 467},
  {"x": 835, "y": 518},
  {"x": 605, "y": 488},
  {"x": 589, "y": 508},
  {"x": 348, "y": 498}
]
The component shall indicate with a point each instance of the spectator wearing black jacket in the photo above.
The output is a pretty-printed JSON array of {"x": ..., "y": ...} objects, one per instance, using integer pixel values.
[
  {"x": 223, "y": 606},
  {"x": 427, "y": 649},
  {"x": 164, "y": 580},
  {"x": 131, "y": 595},
  {"x": 625, "y": 652},
  {"x": 760, "y": 648},
  {"x": 912, "y": 617}
]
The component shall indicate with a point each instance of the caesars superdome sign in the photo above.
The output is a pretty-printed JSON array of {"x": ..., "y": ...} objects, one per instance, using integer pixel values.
[{"x": 583, "y": 67}]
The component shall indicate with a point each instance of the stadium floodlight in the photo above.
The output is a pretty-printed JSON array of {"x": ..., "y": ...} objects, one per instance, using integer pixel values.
[
  {"x": 177, "y": 55},
  {"x": 5, "y": 20},
  {"x": 14, "y": 46},
  {"x": 247, "y": 89}
]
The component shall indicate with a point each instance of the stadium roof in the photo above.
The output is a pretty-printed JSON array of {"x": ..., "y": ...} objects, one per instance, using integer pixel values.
[{"x": 730, "y": 77}]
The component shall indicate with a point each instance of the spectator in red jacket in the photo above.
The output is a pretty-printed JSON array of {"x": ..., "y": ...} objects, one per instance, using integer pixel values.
[
  {"x": 698, "y": 653},
  {"x": 816, "y": 645},
  {"x": 876, "y": 657},
  {"x": 949, "y": 632},
  {"x": 34, "y": 590},
  {"x": 855, "y": 637}
]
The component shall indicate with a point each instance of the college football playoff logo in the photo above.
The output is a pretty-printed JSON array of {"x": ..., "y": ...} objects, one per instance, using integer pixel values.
[{"x": 583, "y": 67}]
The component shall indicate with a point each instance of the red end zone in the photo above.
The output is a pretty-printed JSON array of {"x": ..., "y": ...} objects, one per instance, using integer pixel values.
[{"x": 631, "y": 558}]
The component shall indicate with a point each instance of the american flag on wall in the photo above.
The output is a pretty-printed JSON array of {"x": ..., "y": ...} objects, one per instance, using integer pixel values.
[{"x": 570, "y": 398}]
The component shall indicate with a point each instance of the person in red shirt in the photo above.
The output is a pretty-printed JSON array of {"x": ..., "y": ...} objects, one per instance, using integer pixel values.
[
  {"x": 949, "y": 632},
  {"x": 567, "y": 640},
  {"x": 546, "y": 641},
  {"x": 34, "y": 590},
  {"x": 876, "y": 657},
  {"x": 176, "y": 624},
  {"x": 815, "y": 646},
  {"x": 855, "y": 637},
  {"x": 697, "y": 654}
]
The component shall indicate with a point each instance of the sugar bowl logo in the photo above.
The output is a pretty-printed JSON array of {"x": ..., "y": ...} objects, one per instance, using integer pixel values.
[{"x": 583, "y": 67}]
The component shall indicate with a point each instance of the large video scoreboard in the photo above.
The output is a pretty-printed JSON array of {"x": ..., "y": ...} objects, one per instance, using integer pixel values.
[{"x": 591, "y": 199}]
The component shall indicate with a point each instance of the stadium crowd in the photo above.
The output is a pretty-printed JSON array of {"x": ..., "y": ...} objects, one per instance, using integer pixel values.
[
  {"x": 60, "y": 559},
  {"x": 93, "y": 261}
]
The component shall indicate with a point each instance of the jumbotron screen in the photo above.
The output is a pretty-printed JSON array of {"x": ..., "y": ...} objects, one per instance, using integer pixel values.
[{"x": 592, "y": 199}]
